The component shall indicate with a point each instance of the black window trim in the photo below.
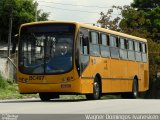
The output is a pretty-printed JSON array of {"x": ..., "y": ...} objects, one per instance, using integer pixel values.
[
  {"x": 125, "y": 43},
  {"x": 98, "y": 42},
  {"x": 88, "y": 40},
  {"x": 117, "y": 37},
  {"x": 107, "y": 45},
  {"x": 108, "y": 40},
  {"x": 117, "y": 47}
]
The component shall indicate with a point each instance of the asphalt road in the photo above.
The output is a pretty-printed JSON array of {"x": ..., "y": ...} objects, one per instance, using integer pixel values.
[{"x": 126, "y": 106}]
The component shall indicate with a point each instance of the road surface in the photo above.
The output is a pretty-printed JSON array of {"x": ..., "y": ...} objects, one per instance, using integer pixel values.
[{"x": 126, "y": 106}]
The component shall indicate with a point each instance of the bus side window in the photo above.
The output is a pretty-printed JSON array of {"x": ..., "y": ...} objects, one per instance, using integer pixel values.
[
  {"x": 144, "y": 51},
  {"x": 104, "y": 39},
  {"x": 94, "y": 43},
  {"x": 113, "y": 41},
  {"x": 123, "y": 47},
  {"x": 131, "y": 55},
  {"x": 114, "y": 46},
  {"x": 104, "y": 46},
  {"x": 84, "y": 43},
  {"x": 138, "y": 51}
]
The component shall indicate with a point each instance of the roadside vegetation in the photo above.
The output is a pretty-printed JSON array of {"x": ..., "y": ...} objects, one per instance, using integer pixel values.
[{"x": 9, "y": 90}]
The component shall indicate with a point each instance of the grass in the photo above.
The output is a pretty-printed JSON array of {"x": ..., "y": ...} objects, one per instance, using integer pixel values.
[
  {"x": 3, "y": 82},
  {"x": 9, "y": 90},
  {"x": 72, "y": 97}
]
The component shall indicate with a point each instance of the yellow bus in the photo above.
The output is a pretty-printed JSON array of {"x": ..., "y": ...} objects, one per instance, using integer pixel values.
[{"x": 61, "y": 57}]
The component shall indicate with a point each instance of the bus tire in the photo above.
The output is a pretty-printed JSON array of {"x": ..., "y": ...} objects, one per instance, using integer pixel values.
[
  {"x": 134, "y": 93},
  {"x": 96, "y": 90},
  {"x": 47, "y": 96}
]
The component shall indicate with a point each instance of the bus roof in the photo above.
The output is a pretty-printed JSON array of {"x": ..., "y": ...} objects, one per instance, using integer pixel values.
[{"x": 91, "y": 27}]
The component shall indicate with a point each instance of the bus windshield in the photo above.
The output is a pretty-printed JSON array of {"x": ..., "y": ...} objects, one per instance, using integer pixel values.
[{"x": 46, "y": 48}]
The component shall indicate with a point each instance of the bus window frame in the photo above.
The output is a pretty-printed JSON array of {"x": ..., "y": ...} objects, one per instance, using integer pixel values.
[
  {"x": 145, "y": 52},
  {"x": 139, "y": 51},
  {"x": 114, "y": 47},
  {"x": 97, "y": 43},
  {"x": 129, "y": 50},
  {"x": 20, "y": 45},
  {"x": 107, "y": 44},
  {"x": 125, "y": 47}
]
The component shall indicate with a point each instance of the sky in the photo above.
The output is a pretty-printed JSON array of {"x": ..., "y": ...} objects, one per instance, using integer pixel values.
[{"x": 86, "y": 11}]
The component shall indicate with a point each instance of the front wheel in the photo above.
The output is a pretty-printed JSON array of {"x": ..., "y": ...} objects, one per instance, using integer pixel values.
[{"x": 96, "y": 91}]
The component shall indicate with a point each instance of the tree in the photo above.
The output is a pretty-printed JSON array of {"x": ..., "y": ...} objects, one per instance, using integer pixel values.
[
  {"x": 106, "y": 20},
  {"x": 133, "y": 22},
  {"x": 150, "y": 13},
  {"x": 145, "y": 4},
  {"x": 21, "y": 11}
]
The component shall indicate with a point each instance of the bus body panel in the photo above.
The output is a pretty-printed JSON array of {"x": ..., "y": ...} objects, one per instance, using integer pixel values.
[{"x": 116, "y": 74}]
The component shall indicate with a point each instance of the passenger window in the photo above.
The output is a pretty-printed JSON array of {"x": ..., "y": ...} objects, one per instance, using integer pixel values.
[
  {"x": 94, "y": 46},
  {"x": 144, "y": 48},
  {"x": 138, "y": 46},
  {"x": 94, "y": 37},
  {"x": 104, "y": 48},
  {"x": 144, "y": 51},
  {"x": 123, "y": 43},
  {"x": 131, "y": 53},
  {"x": 138, "y": 49},
  {"x": 104, "y": 39},
  {"x": 114, "y": 41},
  {"x": 130, "y": 45},
  {"x": 123, "y": 47},
  {"x": 84, "y": 43}
]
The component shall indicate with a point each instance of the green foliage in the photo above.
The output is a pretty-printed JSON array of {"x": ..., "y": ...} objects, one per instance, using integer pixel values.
[
  {"x": 133, "y": 22},
  {"x": 3, "y": 82},
  {"x": 107, "y": 22},
  {"x": 154, "y": 58},
  {"x": 22, "y": 11},
  {"x": 151, "y": 13},
  {"x": 145, "y": 4},
  {"x": 10, "y": 91}
]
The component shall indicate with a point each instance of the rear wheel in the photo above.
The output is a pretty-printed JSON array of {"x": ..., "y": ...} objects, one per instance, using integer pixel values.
[
  {"x": 47, "y": 96},
  {"x": 135, "y": 89},
  {"x": 96, "y": 90},
  {"x": 134, "y": 93}
]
